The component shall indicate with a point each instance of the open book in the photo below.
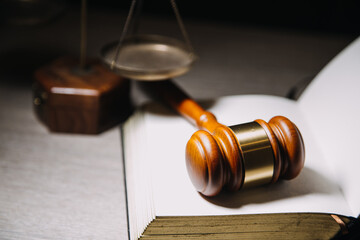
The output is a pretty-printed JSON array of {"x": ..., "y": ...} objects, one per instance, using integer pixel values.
[{"x": 160, "y": 193}]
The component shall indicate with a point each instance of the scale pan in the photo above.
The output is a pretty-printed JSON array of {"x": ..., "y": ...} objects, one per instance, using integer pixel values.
[{"x": 148, "y": 57}]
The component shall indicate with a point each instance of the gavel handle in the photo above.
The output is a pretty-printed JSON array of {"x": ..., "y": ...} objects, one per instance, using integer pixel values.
[{"x": 172, "y": 95}]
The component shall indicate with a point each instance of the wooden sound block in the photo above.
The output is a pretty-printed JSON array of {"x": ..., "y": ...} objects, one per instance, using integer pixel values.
[{"x": 74, "y": 100}]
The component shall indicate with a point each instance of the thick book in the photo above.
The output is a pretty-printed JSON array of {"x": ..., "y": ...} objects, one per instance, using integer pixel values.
[{"x": 163, "y": 204}]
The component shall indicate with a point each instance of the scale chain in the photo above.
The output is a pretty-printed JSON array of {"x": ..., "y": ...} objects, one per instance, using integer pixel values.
[
  {"x": 126, "y": 26},
  {"x": 127, "y": 23}
]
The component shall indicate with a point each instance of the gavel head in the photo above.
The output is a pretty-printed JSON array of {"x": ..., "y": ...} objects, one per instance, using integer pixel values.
[{"x": 244, "y": 155}]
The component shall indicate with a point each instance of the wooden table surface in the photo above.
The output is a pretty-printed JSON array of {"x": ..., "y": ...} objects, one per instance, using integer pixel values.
[{"x": 66, "y": 186}]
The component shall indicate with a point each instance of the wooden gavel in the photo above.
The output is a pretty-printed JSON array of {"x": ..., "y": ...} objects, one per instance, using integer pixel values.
[{"x": 239, "y": 156}]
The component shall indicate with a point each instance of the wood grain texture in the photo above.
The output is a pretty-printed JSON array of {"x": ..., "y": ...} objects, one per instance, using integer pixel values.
[
  {"x": 74, "y": 100},
  {"x": 207, "y": 165},
  {"x": 170, "y": 94},
  {"x": 291, "y": 145}
]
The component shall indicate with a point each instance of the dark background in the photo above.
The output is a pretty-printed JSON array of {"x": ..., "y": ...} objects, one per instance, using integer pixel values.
[
  {"x": 267, "y": 46},
  {"x": 335, "y": 16},
  {"x": 326, "y": 15}
]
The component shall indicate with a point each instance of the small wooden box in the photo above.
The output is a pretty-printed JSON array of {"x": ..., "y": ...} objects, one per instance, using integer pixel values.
[{"x": 73, "y": 100}]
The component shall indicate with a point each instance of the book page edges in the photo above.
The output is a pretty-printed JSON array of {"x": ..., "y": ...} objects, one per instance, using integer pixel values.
[
  {"x": 139, "y": 191},
  {"x": 155, "y": 141}
]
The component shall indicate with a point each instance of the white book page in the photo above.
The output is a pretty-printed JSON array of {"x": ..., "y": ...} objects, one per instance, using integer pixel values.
[
  {"x": 331, "y": 106},
  {"x": 312, "y": 191}
]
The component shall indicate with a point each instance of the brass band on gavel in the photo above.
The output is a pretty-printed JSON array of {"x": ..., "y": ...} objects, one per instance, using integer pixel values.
[{"x": 257, "y": 154}]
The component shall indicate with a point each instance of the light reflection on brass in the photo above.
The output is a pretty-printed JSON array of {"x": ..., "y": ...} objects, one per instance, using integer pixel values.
[{"x": 258, "y": 158}]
